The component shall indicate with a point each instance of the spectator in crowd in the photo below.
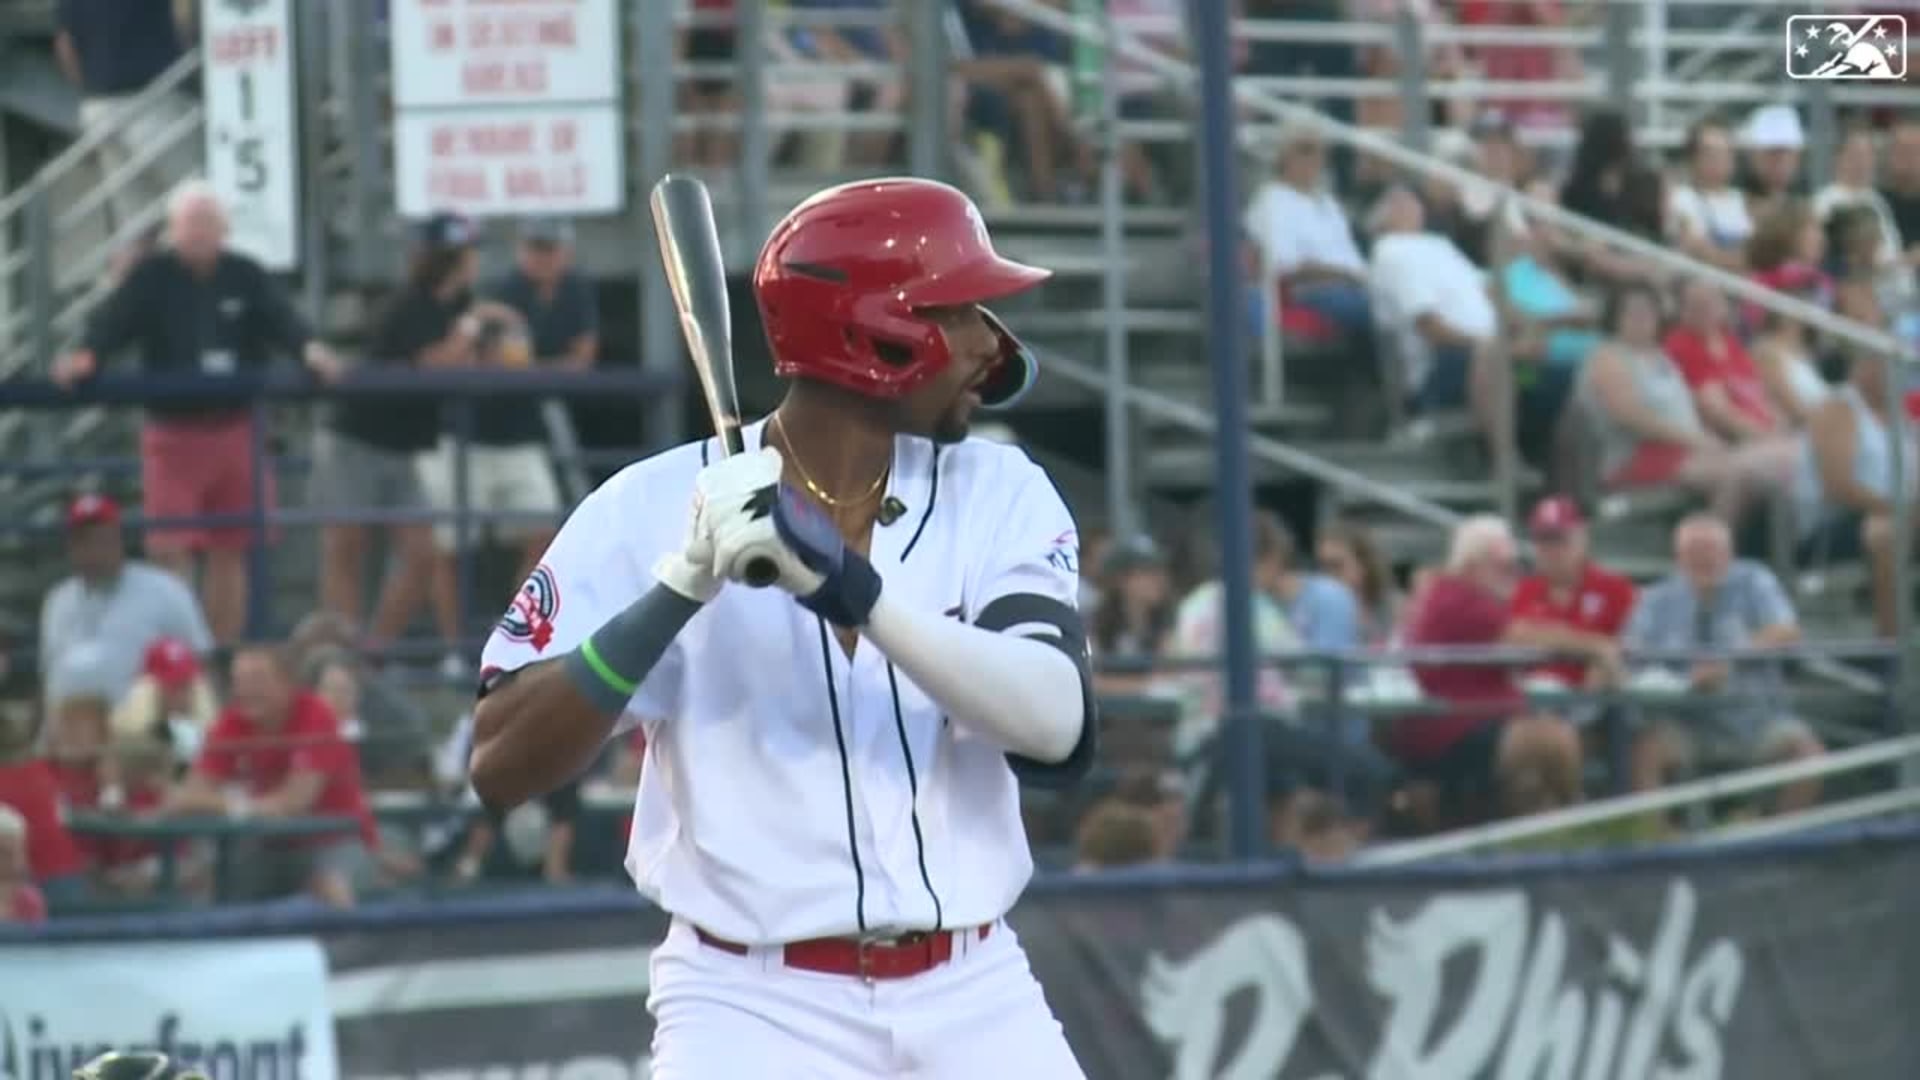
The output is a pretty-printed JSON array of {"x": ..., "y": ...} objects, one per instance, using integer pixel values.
[
  {"x": 508, "y": 466},
  {"x": 1900, "y": 185},
  {"x": 1305, "y": 237},
  {"x": 172, "y": 700},
  {"x": 1347, "y": 553},
  {"x": 1115, "y": 833},
  {"x": 1774, "y": 141},
  {"x": 276, "y": 752},
  {"x": 1480, "y": 208},
  {"x": 141, "y": 770},
  {"x": 548, "y": 825},
  {"x": 1323, "y": 611},
  {"x": 20, "y": 900},
  {"x": 1728, "y": 391},
  {"x": 1649, "y": 433},
  {"x": 365, "y": 453},
  {"x": 78, "y": 732},
  {"x": 1094, "y": 544},
  {"x": 1550, "y": 330},
  {"x": 1787, "y": 253},
  {"x": 712, "y": 145},
  {"x": 1143, "y": 93},
  {"x": 1860, "y": 289},
  {"x": 1608, "y": 183},
  {"x": 1571, "y": 606},
  {"x": 111, "y": 50},
  {"x": 1489, "y": 754},
  {"x": 29, "y": 788},
  {"x": 1136, "y": 613},
  {"x": 1198, "y": 633},
  {"x": 1523, "y": 62},
  {"x": 1303, "y": 59},
  {"x": 1843, "y": 492},
  {"x": 1434, "y": 305},
  {"x": 1706, "y": 213},
  {"x": 115, "y": 606},
  {"x": 1714, "y": 603},
  {"x": 1025, "y": 65},
  {"x": 1852, "y": 185},
  {"x": 397, "y": 731},
  {"x": 859, "y": 41},
  {"x": 196, "y": 307}
]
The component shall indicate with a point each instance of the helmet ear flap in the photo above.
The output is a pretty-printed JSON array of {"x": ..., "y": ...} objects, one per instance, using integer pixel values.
[{"x": 1013, "y": 376}]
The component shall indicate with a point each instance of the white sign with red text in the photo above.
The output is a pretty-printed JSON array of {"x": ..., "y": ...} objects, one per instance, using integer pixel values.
[
  {"x": 252, "y": 134},
  {"x": 507, "y": 107},
  {"x": 472, "y": 52},
  {"x": 517, "y": 161}
]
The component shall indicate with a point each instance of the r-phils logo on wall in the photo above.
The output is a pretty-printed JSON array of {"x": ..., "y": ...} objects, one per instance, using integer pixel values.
[{"x": 1647, "y": 1013}]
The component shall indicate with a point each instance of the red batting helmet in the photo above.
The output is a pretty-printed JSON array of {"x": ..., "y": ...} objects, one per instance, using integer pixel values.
[{"x": 842, "y": 278}]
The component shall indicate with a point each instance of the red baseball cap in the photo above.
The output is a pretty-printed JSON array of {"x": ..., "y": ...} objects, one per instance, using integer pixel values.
[
  {"x": 92, "y": 509},
  {"x": 1556, "y": 515},
  {"x": 171, "y": 663}
]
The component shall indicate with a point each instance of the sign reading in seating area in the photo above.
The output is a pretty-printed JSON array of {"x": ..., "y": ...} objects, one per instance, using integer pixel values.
[{"x": 507, "y": 107}]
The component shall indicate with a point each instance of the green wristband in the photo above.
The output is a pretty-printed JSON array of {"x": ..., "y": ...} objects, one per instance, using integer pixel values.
[{"x": 600, "y": 667}]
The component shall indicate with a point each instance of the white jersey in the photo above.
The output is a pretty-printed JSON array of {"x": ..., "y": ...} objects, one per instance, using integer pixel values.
[{"x": 790, "y": 792}]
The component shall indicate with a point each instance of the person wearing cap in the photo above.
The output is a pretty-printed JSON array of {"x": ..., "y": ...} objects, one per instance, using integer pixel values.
[
  {"x": 366, "y": 450},
  {"x": 201, "y": 312},
  {"x": 508, "y": 466},
  {"x": 1774, "y": 141},
  {"x": 172, "y": 700},
  {"x": 111, "y": 605},
  {"x": 1304, "y": 235},
  {"x": 1571, "y": 605}
]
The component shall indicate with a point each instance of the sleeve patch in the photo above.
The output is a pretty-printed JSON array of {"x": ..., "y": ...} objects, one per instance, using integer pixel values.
[
  {"x": 1064, "y": 553},
  {"x": 530, "y": 617}
]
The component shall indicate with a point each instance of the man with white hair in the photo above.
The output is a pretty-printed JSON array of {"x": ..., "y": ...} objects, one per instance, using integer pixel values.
[
  {"x": 1489, "y": 754},
  {"x": 208, "y": 317}
]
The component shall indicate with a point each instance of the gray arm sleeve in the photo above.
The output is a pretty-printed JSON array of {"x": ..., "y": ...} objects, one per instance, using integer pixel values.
[{"x": 610, "y": 664}]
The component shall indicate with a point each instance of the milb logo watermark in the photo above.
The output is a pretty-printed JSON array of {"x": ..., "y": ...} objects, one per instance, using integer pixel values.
[{"x": 1835, "y": 48}]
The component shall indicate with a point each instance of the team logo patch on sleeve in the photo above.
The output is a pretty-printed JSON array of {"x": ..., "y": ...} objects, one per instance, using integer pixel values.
[
  {"x": 1064, "y": 552},
  {"x": 530, "y": 617}
]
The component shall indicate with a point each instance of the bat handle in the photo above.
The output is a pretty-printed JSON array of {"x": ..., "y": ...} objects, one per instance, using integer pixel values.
[{"x": 762, "y": 572}]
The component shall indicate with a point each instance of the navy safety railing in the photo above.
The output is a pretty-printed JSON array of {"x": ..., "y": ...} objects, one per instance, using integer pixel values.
[
  {"x": 399, "y": 913},
  {"x": 454, "y": 391}
]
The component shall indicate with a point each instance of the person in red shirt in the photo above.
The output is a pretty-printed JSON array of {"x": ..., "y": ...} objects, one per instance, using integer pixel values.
[
  {"x": 1573, "y": 606},
  {"x": 276, "y": 752},
  {"x": 1490, "y": 755},
  {"x": 1727, "y": 387},
  {"x": 57, "y": 864},
  {"x": 20, "y": 901}
]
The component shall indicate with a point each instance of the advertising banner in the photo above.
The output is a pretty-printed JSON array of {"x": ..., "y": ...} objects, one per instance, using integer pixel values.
[
  {"x": 241, "y": 1010},
  {"x": 1789, "y": 966}
]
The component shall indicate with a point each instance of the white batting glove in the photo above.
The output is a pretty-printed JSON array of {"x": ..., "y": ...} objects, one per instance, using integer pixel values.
[
  {"x": 775, "y": 528},
  {"x": 719, "y": 489}
]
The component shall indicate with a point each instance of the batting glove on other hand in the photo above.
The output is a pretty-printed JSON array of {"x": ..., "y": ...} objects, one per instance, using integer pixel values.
[
  {"x": 721, "y": 491},
  {"x": 776, "y": 523}
]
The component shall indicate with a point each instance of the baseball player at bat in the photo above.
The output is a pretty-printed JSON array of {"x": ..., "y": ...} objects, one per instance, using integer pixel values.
[{"x": 829, "y": 806}]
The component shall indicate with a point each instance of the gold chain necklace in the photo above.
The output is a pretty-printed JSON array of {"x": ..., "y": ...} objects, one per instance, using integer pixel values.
[{"x": 819, "y": 492}]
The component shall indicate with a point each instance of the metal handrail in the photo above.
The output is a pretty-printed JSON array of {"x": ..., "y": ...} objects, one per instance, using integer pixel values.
[
  {"x": 89, "y": 142},
  {"x": 1873, "y": 755},
  {"x": 1851, "y": 331},
  {"x": 1273, "y": 451}
]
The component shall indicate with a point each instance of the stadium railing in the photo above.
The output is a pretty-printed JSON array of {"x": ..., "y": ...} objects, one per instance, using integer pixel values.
[{"x": 456, "y": 391}]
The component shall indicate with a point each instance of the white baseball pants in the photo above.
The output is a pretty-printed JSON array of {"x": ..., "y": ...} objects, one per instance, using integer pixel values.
[{"x": 719, "y": 1016}]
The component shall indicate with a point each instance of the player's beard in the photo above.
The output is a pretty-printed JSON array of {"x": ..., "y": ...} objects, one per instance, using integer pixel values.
[{"x": 954, "y": 423}]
